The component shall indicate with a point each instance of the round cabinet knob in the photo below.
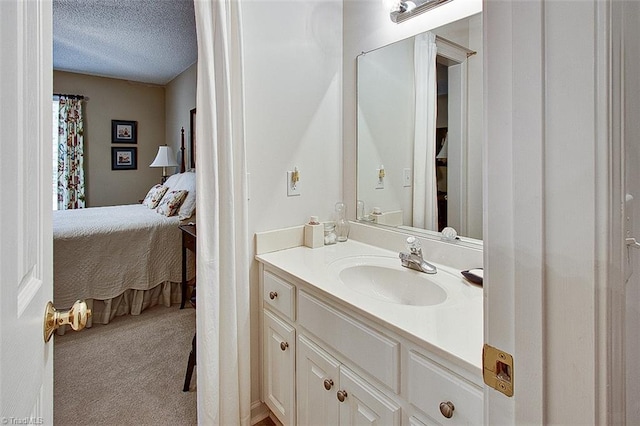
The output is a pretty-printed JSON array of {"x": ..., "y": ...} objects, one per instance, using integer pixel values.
[
  {"x": 328, "y": 384},
  {"x": 273, "y": 295},
  {"x": 446, "y": 408},
  {"x": 284, "y": 346},
  {"x": 342, "y": 395}
]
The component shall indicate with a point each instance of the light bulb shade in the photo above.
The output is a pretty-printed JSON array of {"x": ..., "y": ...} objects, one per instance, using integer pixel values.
[
  {"x": 444, "y": 151},
  {"x": 164, "y": 158}
]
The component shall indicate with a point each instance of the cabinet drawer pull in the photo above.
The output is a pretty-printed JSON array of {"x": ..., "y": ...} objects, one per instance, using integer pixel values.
[
  {"x": 328, "y": 384},
  {"x": 273, "y": 295},
  {"x": 284, "y": 346},
  {"x": 342, "y": 395},
  {"x": 446, "y": 408}
]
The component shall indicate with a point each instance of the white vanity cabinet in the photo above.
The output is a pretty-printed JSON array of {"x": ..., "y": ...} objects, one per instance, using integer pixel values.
[
  {"x": 325, "y": 363},
  {"x": 329, "y": 393}
]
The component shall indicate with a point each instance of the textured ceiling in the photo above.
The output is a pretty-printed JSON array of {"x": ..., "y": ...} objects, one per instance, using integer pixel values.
[{"x": 150, "y": 41}]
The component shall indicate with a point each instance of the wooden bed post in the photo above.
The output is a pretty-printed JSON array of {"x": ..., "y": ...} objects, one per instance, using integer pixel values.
[{"x": 182, "y": 167}]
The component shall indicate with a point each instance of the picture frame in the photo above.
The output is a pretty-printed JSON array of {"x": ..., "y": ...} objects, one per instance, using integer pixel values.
[
  {"x": 192, "y": 139},
  {"x": 123, "y": 131},
  {"x": 124, "y": 158}
]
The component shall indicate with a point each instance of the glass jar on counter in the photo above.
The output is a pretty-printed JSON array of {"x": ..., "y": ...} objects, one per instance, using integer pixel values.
[
  {"x": 342, "y": 224},
  {"x": 330, "y": 233}
]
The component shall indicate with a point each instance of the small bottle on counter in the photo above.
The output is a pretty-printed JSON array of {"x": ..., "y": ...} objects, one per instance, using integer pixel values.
[
  {"x": 313, "y": 233},
  {"x": 342, "y": 224},
  {"x": 360, "y": 210},
  {"x": 330, "y": 233}
]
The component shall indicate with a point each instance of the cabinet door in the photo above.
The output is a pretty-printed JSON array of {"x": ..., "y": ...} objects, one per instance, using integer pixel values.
[
  {"x": 362, "y": 404},
  {"x": 279, "y": 368},
  {"x": 318, "y": 375}
]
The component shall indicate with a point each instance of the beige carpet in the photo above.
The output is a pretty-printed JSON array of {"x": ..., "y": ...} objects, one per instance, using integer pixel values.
[{"x": 129, "y": 372}]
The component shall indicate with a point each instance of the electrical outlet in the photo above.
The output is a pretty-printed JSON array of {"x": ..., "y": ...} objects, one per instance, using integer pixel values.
[
  {"x": 406, "y": 177},
  {"x": 293, "y": 188},
  {"x": 379, "y": 181}
]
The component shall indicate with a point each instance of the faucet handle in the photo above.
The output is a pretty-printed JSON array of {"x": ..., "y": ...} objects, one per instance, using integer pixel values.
[{"x": 413, "y": 245}]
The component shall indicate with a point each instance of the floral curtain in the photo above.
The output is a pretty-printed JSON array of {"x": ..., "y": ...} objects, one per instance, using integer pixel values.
[{"x": 70, "y": 154}]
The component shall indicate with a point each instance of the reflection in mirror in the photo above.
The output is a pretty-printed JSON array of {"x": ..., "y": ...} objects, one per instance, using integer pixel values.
[{"x": 420, "y": 131}]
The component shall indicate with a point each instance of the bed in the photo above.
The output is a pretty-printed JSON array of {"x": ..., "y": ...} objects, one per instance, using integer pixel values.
[{"x": 123, "y": 259}]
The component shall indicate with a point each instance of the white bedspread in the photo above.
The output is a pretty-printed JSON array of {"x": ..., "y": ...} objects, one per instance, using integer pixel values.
[{"x": 100, "y": 252}]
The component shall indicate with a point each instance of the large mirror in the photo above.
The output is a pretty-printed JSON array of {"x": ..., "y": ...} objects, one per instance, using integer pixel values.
[{"x": 419, "y": 131}]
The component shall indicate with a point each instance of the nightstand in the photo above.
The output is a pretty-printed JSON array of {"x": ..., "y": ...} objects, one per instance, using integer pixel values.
[{"x": 188, "y": 243}]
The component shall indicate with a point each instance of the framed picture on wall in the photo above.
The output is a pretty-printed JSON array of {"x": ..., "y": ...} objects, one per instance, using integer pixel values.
[
  {"x": 124, "y": 131},
  {"x": 124, "y": 158},
  {"x": 192, "y": 141}
]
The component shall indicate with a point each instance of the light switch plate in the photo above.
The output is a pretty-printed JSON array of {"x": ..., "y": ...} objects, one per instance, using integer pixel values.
[
  {"x": 292, "y": 191},
  {"x": 406, "y": 178}
]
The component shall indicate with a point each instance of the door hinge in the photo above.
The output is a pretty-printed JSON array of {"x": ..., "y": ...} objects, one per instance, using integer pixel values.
[{"x": 497, "y": 369}]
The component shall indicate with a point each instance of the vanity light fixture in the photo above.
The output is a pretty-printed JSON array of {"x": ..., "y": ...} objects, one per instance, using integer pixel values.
[{"x": 405, "y": 9}]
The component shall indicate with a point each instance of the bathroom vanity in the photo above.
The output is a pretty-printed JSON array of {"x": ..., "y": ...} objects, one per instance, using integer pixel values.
[{"x": 345, "y": 343}]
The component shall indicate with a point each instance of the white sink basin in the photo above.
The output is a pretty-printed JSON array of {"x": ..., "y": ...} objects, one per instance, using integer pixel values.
[{"x": 384, "y": 278}]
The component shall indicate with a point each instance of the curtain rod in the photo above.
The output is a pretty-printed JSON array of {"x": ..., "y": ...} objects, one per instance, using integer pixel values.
[{"x": 81, "y": 97}]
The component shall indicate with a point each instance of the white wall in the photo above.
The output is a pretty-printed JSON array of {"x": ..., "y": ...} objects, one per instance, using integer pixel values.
[
  {"x": 293, "y": 108},
  {"x": 180, "y": 95}
]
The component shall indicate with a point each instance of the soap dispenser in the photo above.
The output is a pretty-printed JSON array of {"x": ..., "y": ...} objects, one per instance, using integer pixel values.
[
  {"x": 342, "y": 224},
  {"x": 313, "y": 233}
]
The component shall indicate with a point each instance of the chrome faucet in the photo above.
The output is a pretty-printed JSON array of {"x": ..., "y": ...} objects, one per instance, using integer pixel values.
[{"x": 414, "y": 259}]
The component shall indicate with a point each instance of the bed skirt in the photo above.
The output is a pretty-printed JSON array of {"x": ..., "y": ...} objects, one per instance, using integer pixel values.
[{"x": 131, "y": 302}]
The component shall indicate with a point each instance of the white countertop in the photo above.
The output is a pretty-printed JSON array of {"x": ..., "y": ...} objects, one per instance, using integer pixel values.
[{"x": 453, "y": 329}]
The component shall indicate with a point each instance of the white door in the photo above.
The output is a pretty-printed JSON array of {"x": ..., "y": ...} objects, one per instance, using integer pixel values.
[
  {"x": 279, "y": 368},
  {"x": 362, "y": 404},
  {"x": 26, "y": 363},
  {"x": 629, "y": 61},
  {"x": 550, "y": 233},
  {"x": 318, "y": 375}
]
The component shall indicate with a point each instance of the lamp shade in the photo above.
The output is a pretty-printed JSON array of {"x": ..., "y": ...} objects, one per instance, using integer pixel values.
[
  {"x": 444, "y": 151},
  {"x": 164, "y": 158}
]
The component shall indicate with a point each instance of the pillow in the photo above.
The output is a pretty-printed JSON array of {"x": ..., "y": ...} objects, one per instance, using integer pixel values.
[
  {"x": 172, "y": 180},
  {"x": 188, "y": 183},
  {"x": 154, "y": 196},
  {"x": 171, "y": 202}
]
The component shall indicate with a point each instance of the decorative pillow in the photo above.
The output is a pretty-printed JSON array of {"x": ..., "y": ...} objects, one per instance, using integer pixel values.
[
  {"x": 171, "y": 202},
  {"x": 154, "y": 196}
]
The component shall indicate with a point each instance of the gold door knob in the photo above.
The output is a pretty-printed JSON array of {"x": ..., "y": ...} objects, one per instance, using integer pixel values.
[
  {"x": 76, "y": 316},
  {"x": 273, "y": 295},
  {"x": 446, "y": 408},
  {"x": 328, "y": 384},
  {"x": 342, "y": 395},
  {"x": 284, "y": 346}
]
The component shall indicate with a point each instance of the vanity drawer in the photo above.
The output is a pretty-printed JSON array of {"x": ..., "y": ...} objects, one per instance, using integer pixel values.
[
  {"x": 375, "y": 353},
  {"x": 431, "y": 384},
  {"x": 279, "y": 295}
]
